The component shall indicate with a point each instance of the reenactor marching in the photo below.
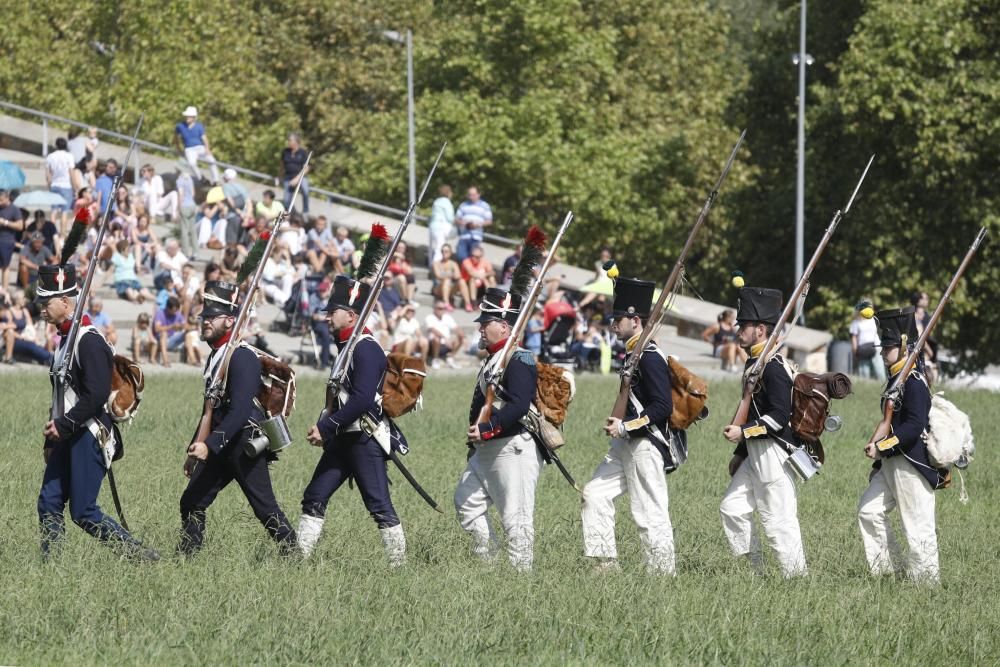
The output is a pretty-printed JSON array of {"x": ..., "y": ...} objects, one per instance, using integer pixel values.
[
  {"x": 345, "y": 430},
  {"x": 761, "y": 481},
  {"x": 902, "y": 475},
  {"x": 222, "y": 456},
  {"x": 81, "y": 443},
  {"x": 634, "y": 464}
]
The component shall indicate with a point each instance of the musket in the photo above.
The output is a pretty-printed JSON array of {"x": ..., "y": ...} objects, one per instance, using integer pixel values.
[
  {"x": 61, "y": 373},
  {"x": 752, "y": 377},
  {"x": 495, "y": 372},
  {"x": 339, "y": 371},
  {"x": 216, "y": 386},
  {"x": 656, "y": 315},
  {"x": 342, "y": 362},
  {"x": 894, "y": 394}
]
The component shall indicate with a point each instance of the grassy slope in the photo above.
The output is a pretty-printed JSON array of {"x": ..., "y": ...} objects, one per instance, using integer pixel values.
[{"x": 239, "y": 602}]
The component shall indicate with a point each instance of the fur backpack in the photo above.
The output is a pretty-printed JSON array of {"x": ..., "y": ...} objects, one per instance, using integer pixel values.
[
  {"x": 276, "y": 395},
  {"x": 688, "y": 393},
  {"x": 556, "y": 389},
  {"x": 404, "y": 384},
  {"x": 127, "y": 385}
]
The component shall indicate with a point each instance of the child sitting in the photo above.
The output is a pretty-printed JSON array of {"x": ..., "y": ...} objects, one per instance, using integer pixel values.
[{"x": 143, "y": 341}]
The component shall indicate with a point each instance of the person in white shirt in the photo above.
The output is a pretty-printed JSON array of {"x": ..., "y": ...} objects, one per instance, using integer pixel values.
[
  {"x": 443, "y": 335},
  {"x": 172, "y": 259},
  {"x": 865, "y": 345},
  {"x": 292, "y": 235},
  {"x": 150, "y": 188},
  {"x": 278, "y": 277},
  {"x": 58, "y": 165},
  {"x": 407, "y": 338}
]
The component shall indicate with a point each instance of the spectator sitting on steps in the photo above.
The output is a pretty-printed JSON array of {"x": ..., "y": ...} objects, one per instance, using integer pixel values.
[
  {"x": 127, "y": 283},
  {"x": 478, "y": 275},
  {"x": 447, "y": 277},
  {"x": 101, "y": 321},
  {"x": 168, "y": 327},
  {"x": 444, "y": 336},
  {"x": 143, "y": 342},
  {"x": 407, "y": 338}
]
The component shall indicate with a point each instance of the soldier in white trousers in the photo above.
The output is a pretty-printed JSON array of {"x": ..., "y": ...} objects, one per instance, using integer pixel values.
[
  {"x": 505, "y": 461},
  {"x": 635, "y": 462},
  {"x": 902, "y": 476},
  {"x": 762, "y": 480}
]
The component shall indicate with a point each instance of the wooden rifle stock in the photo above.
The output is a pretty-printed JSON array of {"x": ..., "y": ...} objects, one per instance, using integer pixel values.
[
  {"x": 653, "y": 323},
  {"x": 340, "y": 364},
  {"x": 895, "y": 391},
  {"x": 62, "y": 372},
  {"x": 752, "y": 377},
  {"x": 216, "y": 387},
  {"x": 527, "y": 306}
]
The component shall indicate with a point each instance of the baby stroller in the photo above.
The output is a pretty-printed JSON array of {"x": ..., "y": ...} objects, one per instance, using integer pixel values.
[
  {"x": 556, "y": 341},
  {"x": 296, "y": 308}
]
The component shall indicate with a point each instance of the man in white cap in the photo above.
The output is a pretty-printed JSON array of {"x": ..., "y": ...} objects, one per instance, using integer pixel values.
[
  {"x": 195, "y": 143},
  {"x": 236, "y": 195}
]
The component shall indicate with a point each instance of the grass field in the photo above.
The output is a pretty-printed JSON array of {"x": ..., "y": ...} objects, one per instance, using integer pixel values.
[{"x": 238, "y": 602}]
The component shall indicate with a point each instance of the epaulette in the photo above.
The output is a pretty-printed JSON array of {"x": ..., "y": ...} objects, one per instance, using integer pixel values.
[{"x": 525, "y": 357}]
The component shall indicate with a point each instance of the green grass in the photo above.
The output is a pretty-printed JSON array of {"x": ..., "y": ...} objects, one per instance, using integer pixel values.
[{"x": 239, "y": 603}]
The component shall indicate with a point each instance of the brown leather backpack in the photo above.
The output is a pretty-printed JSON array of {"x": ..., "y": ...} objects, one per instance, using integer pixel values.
[
  {"x": 689, "y": 394},
  {"x": 277, "y": 386},
  {"x": 404, "y": 383},
  {"x": 811, "y": 395}
]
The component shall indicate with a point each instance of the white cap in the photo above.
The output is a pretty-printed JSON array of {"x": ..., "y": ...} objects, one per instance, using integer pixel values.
[
  {"x": 190, "y": 111},
  {"x": 229, "y": 174}
]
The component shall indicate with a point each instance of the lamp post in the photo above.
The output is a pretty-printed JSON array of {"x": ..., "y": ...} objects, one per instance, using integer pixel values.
[
  {"x": 407, "y": 39},
  {"x": 802, "y": 60}
]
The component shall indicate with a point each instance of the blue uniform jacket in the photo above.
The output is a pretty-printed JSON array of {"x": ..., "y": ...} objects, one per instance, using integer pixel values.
[
  {"x": 231, "y": 418},
  {"x": 363, "y": 383},
  {"x": 90, "y": 378},
  {"x": 651, "y": 387},
  {"x": 517, "y": 388},
  {"x": 908, "y": 425},
  {"x": 771, "y": 407}
]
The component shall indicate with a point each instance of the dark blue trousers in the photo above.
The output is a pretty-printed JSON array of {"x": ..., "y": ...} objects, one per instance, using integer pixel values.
[
  {"x": 352, "y": 455},
  {"x": 253, "y": 478},
  {"x": 74, "y": 474},
  {"x": 323, "y": 339}
]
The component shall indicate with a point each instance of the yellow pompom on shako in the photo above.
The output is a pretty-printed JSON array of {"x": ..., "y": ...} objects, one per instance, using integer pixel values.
[
  {"x": 611, "y": 269},
  {"x": 737, "y": 279},
  {"x": 865, "y": 309}
]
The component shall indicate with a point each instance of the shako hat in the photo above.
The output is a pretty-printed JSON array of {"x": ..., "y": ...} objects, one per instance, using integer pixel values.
[
  {"x": 221, "y": 298},
  {"x": 758, "y": 304},
  {"x": 897, "y": 326},
  {"x": 348, "y": 294},
  {"x": 633, "y": 298},
  {"x": 56, "y": 281},
  {"x": 505, "y": 304}
]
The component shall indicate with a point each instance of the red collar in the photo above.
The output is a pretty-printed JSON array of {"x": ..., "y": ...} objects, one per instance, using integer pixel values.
[
  {"x": 222, "y": 340},
  {"x": 496, "y": 347},
  {"x": 66, "y": 324},
  {"x": 344, "y": 334}
]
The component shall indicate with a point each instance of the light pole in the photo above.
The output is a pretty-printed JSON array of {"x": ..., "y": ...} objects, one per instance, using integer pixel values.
[
  {"x": 394, "y": 36},
  {"x": 802, "y": 59}
]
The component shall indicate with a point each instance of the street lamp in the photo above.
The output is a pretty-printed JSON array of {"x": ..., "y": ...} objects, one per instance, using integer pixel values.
[
  {"x": 802, "y": 60},
  {"x": 395, "y": 36}
]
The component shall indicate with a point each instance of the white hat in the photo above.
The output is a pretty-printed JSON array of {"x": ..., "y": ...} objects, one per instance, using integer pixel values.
[
  {"x": 229, "y": 174},
  {"x": 190, "y": 111}
]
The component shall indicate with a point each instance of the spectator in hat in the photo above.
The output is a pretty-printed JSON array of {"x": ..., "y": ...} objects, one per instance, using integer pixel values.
[
  {"x": 11, "y": 226},
  {"x": 407, "y": 337},
  {"x": 190, "y": 138},
  {"x": 294, "y": 170},
  {"x": 46, "y": 227},
  {"x": 34, "y": 253},
  {"x": 236, "y": 195},
  {"x": 58, "y": 166}
]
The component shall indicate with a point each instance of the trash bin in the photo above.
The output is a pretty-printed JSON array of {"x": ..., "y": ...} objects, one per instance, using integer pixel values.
[{"x": 839, "y": 357}]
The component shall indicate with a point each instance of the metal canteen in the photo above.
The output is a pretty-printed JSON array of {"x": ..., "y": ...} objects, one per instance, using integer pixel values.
[
  {"x": 804, "y": 465},
  {"x": 273, "y": 435},
  {"x": 833, "y": 423}
]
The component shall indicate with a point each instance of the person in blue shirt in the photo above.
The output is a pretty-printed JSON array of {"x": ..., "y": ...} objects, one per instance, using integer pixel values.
[
  {"x": 190, "y": 138},
  {"x": 104, "y": 186},
  {"x": 471, "y": 216}
]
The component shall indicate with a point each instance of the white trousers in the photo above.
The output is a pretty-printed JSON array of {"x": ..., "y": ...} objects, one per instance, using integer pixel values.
[
  {"x": 193, "y": 153},
  {"x": 898, "y": 484},
  {"x": 503, "y": 472},
  {"x": 764, "y": 483},
  {"x": 633, "y": 466}
]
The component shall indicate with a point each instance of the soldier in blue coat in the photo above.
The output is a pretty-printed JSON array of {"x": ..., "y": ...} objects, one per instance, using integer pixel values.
[
  {"x": 222, "y": 457},
  {"x": 80, "y": 444},
  {"x": 348, "y": 449},
  {"x": 505, "y": 461},
  {"x": 642, "y": 447},
  {"x": 902, "y": 474},
  {"x": 762, "y": 479}
]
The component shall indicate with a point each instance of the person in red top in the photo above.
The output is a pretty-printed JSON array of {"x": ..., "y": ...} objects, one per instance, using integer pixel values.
[
  {"x": 402, "y": 273},
  {"x": 478, "y": 274}
]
